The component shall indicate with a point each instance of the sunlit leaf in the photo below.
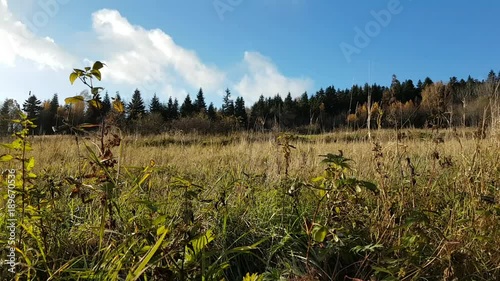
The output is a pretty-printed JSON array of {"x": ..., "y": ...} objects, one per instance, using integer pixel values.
[
  {"x": 118, "y": 106},
  {"x": 6, "y": 158},
  {"x": 30, "y": 164},
  {"x": 72, "y": 77},
  {"x": 161, "y": 230},
  {"x": 95, "y": 104},
  {"x": 16, "y": 144},
  {"x": 73, "y": 100},
  {"x": 96, "y": 73}
]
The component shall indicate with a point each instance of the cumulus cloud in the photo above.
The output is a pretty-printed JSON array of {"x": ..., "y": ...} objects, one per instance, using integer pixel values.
[
  {"x": 150, "y": 57},
  {"x": 20, "y": 42},
  {"x": 263, "y": 77}
]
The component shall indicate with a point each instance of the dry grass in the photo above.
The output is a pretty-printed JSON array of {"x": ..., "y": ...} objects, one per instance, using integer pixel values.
[{"x": 437, "y": 208}]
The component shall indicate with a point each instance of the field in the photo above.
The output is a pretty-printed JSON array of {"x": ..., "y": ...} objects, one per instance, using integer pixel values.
[{"x": 405, "y": 205}]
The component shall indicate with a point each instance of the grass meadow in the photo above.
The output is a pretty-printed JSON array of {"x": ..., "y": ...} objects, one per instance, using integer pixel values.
[{"x": 405, "y": 205}]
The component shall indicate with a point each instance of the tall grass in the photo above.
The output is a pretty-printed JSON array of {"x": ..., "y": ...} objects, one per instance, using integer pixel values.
[{"x": 191, "y": 207}]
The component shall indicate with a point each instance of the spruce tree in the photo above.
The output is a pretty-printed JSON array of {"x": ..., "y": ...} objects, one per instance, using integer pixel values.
[
  {"x": 240, "y": 111},
  {"x": 199, "y": 102},
  {"x": 212, "y": 112},
  {"x": 106, "y": 104},
  {"x": 187, "y": 107},
  {"x": 227, "y": 104},
  {"x": 155, "y": 106},
  {"x": 136, "y": 108}
]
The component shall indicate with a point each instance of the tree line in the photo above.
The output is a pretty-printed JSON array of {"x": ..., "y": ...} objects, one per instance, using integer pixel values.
[{"x": 402, "y": 104}]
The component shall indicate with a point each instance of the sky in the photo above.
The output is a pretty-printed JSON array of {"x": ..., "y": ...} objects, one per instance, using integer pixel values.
[{"x": 253, "y": 47}]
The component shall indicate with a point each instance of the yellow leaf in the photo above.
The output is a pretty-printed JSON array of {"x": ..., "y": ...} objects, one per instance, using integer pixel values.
[
  {"x": 118, "y": 106},
  {"x": 72, "y": 100}
]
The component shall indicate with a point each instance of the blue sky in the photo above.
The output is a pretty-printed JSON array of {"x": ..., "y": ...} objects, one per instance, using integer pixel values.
[{"x": 251, "y": 47}]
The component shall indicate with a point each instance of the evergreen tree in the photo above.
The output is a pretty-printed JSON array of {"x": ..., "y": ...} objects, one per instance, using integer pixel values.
[
  {"x": 106, "y": 104},
  {"x": 32, "y": 107},
  {"x": 169, "y": 112},
  {"x": 136, "y": 108},
  {"x": 187, "y": 108},
  {"x": 408, "y": 91},
  {"x": 492, "y": 77},
  {"x": 240, "y": 111},
  {"x": 427, "y": 82},
  {"x": 9, "y": 111},
  {"x": 155, "y": 106},
  {"x": 199, "y": 102},
  {"x": 227, "y": 104},
  {"x": 175, "y": 109},
  {"x": 289, "y": 111},
  {"x": 259, "y": 113},
  {"x": 212, "y": 112}
]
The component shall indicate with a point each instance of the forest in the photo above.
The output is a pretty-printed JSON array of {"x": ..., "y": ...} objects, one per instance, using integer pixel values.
[{"x": 428, "y": 104}]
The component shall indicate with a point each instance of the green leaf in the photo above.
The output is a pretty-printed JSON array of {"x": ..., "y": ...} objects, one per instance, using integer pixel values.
[
  {"x": 73, "y": 100},
  {"x": 161, "y": 230},
  {"x": 30, "y": 164},
  {"x": 319, "y": 233},
  {"x": 72, "y": 77},
  {"x": 16, "y": 144},
  {"x": 6, "y": 158},
  {"x": 196, "y": 245},
  {"x": 97, "y": 65},
  {"x": 87, "y": 68},
  {"x": 96, "y": 73}
]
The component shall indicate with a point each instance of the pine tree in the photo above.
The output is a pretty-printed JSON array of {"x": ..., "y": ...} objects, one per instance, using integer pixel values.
[
  {"x": 106, "y": 104},
  {"x": 32, "y": 107},
  {"x": 187, "y": 107},
  {"x": 427, "y": 82},
  {"x": 240, "y": 112},
  {"x": 212, "y": 112},
  {"x": 227, "y": 104},
  {"x": 175, "y": 109},
  {"x": 136, "y": 108},
  {"x": 9, "y": 111},
  {"x": 169, "y": 114},
  {"x": 155, "y": 106},
  {"x": 199, "y": 102}
]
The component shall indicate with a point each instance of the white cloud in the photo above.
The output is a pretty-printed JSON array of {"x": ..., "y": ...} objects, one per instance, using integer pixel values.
[
  {"x": 135, "y": 57},
  {"x": 263, "y": 77},
  {"x": 145, "y": 58},
  {"x": 21, "y": 43}
]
